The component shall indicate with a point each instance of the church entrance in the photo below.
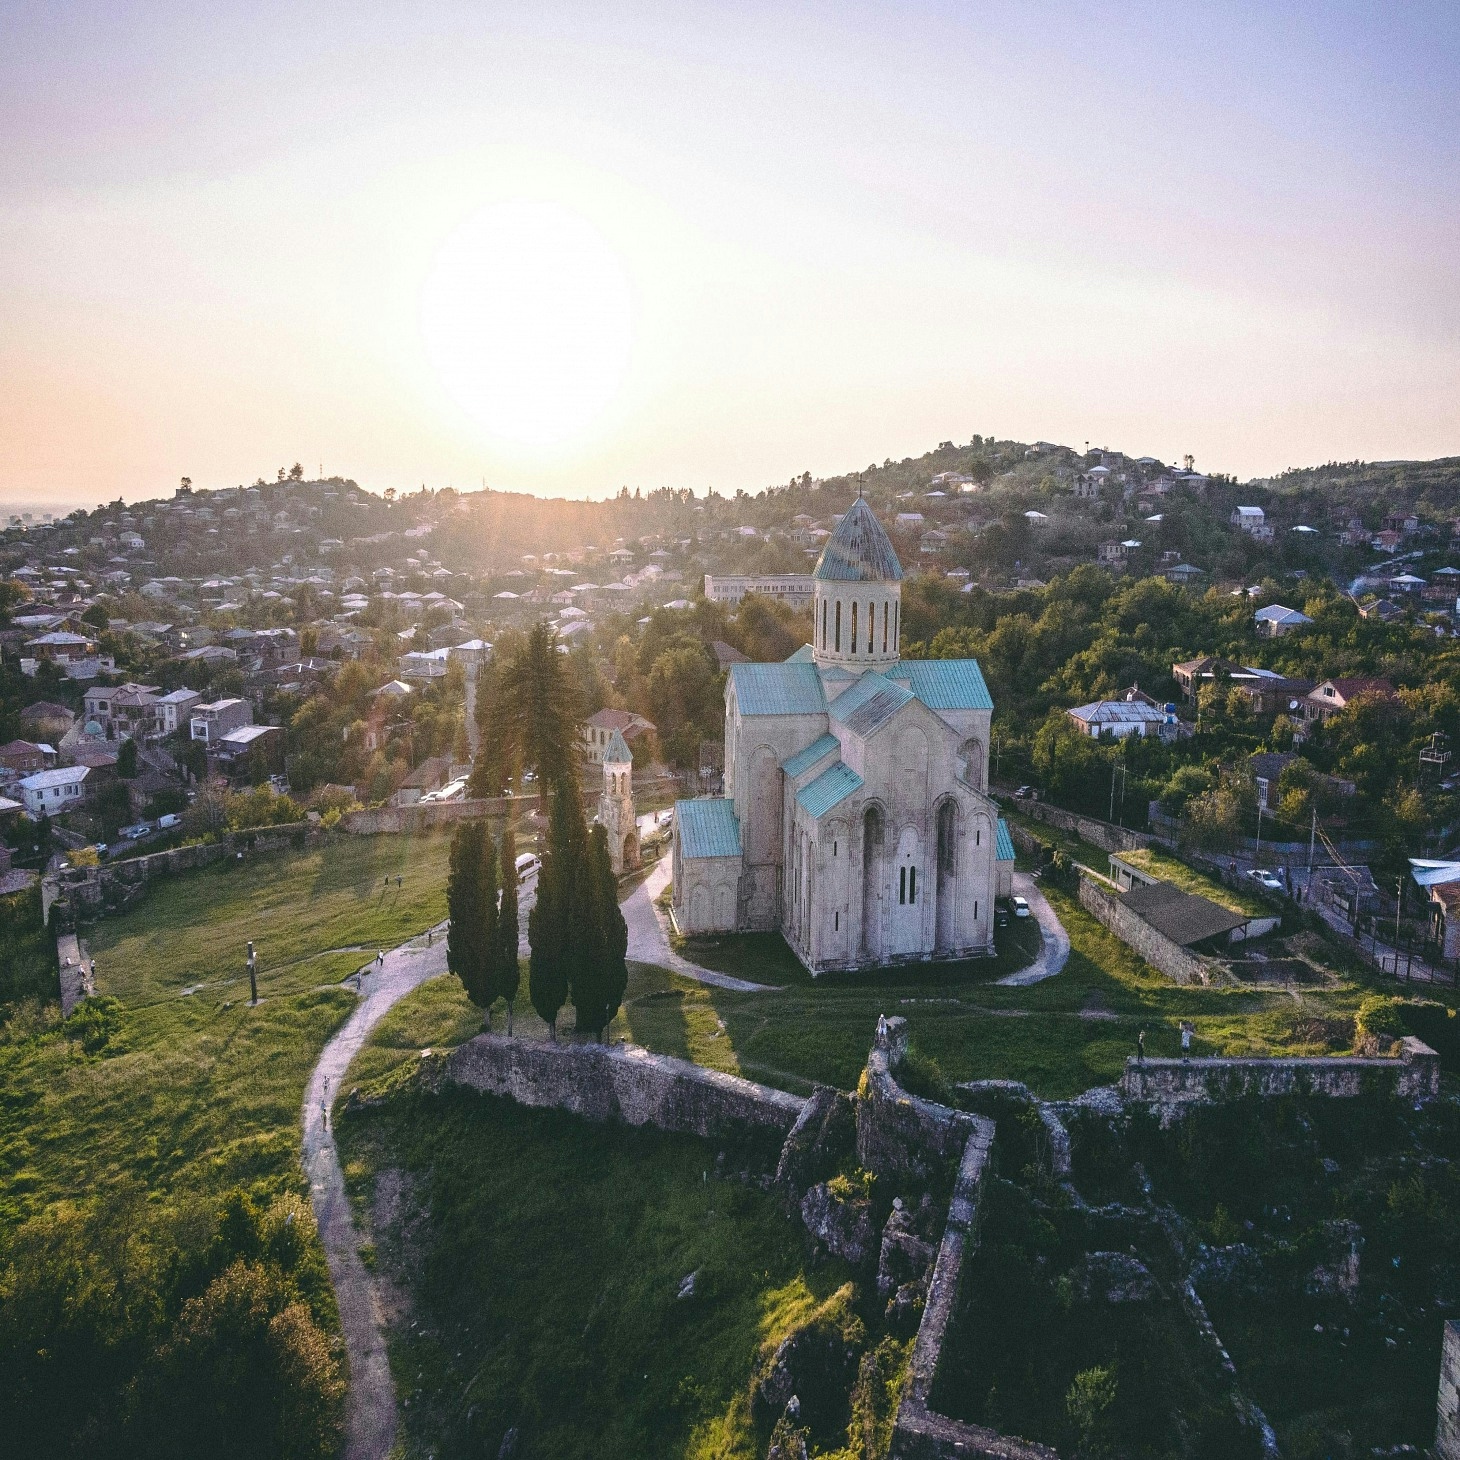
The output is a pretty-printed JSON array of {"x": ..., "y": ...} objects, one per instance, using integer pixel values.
[
  {"x": 872, "y": 834},
  {"x": 909, "y": 894}
]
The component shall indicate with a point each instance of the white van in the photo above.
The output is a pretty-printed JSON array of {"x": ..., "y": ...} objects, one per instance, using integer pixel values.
[{"x": 527, "y": 866}]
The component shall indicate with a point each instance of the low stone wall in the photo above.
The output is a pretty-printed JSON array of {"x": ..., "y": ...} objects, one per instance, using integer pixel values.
[
  {"x": 1101, "y": 834},
  {"x": 408, "y": 820},
  {"x": 621, "y": 1082},
  {"x": 84, "y": 894},
  {"x": 1447, "y": 1431},
  {"x": 898, "y": 1133},
  {"x": 1156, "y": 948},
  {"x": 1414, "y": 1075}
]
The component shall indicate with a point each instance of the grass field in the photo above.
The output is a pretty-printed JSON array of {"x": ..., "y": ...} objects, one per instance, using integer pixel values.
[
  {"x": 1188, "y": 879},
  {"x": 196, "y": 1092},
  {"x": 543, "y": 1258}
]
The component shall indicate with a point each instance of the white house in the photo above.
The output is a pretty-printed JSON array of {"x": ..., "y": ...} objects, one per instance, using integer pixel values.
[
  {"x": 1118, "y": 718},
  {"x": 1253, "y": 521},
  {"x": 47, "y": 792}
]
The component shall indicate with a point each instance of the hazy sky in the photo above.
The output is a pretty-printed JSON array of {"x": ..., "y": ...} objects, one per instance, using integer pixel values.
[{"x": 798, "y": 237}]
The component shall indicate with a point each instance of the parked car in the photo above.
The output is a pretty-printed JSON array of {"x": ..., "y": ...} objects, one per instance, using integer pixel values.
[
  {"x": 1020, "y": 906},
  {"x": 1267, "y": 879},
  {"x": 134, "y": 833},
  {"x": 1027, "y": 793},
  {"x": 527, "y": 866}
]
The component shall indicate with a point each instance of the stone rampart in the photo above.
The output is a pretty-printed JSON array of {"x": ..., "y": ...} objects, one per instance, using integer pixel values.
[
  {"x": 621, "y": 1082},
  {"x": 411, "y": 820},
  {"x": 84, "y": 894},
  {"x": 1155, "y": 947},
  {"x": 1414, "y": 1075},
  {"x": 1447, "y": 1431},
  {"x": 1100, "y": 834}
]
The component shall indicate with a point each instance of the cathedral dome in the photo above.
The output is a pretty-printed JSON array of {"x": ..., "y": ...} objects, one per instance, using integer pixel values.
[{"x": 859, "y": 551}]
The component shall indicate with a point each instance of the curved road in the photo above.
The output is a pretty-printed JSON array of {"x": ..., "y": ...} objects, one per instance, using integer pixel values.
[{"x": 1056, "y": 947}]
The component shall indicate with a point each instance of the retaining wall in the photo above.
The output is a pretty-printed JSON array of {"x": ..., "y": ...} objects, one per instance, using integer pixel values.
[
  {"x": 1156, "y": 948},
  {"x": 1101, "y": 834},
  {"x": 621, "y": 1082},
  {"x": 382, "y": 820},
  {"x": 84, "y": 894},
  {"x": 1414, "y": 1075},
  {"x": 1447, "y": 1431}
]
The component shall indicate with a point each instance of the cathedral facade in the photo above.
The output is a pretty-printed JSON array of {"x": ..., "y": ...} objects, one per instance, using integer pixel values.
[{"x": 856, "y": 817}]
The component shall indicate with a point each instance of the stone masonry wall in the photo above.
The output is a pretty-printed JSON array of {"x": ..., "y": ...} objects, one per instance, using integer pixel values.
[
  {"x": 1156, "y": 948},
  {"x": 380, "y": 820},
  {"x": 1415, "y": 1075},
  {"x": 1098, "y": 833},
  {"x": 1447, "y": 1431},
  {"x": 621, "y": 1082},
  {"x": 88, "y": 893}
]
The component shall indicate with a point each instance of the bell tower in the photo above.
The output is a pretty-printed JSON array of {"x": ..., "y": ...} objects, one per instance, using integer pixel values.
[
  {"x": 616, "y": 804},
  {"x": 857, "y": 595}
]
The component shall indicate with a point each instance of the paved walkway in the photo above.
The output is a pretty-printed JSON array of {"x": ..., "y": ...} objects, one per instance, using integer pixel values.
[
  {"x": 649, "y": 936},
  {"x": 75, "y": 966},
  {"x": 1056, "y": 947},
  {"x": 370, "y": 1412}
]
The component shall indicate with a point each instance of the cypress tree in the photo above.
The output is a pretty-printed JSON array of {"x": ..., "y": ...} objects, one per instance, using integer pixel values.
[
  {"x": 509, "y": 974},
  {"x": 602, "y": 972},
  {"x": 551, "y": 923},
  {"x": 488, "y": 973},
  {"x": 463, "y": 905}
]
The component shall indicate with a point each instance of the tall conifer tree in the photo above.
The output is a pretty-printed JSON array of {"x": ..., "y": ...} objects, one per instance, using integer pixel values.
[
  {"x": 488, "y": 943},
  {"x": 509, "y": 973},
  {"x": 463, "y": 905}
]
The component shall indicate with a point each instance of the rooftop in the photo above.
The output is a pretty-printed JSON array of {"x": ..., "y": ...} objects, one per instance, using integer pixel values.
[
  {"x": 858, "y": 551},
  {"x": 708, "y": 827}
]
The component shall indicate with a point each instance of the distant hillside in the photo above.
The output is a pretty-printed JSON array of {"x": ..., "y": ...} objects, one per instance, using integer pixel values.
[{"x": 1429, "y": 488}]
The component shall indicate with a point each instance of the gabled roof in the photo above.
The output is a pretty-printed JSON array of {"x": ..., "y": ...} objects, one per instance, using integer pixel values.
[
  {"x": 1118, "y": 712},
  {"x": 777, "y": 689},
  {"x": 858, "y": 551},
  {"x": 829, "y": 789},
  {"x": 869, "y": 704},
  {"x": 945, "y": 684},
  {"x": 1004, "y": 843},
  {"x": 803, "y": 760},
  {"x": 707, "y": 827},
  {"x": 1183, "y": 917},
  {"x": 1277, "y": 614},
  {"x": 804, "y": 655}
]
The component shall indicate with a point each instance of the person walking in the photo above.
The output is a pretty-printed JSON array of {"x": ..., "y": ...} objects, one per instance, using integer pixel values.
[
  {"x": 1141, "y": 1047},
  {"x": 324, "y": 1103},
  {"x": 1185, "y": 1038}
]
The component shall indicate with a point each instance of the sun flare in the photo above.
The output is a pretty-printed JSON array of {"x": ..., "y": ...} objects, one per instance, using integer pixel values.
[{"x": 526, "y": 317}]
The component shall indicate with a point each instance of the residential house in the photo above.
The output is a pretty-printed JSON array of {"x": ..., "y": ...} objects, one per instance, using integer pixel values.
[
  {"x": 598, "y": 729},
  {"x": 24, "y": 758},
  {"x": 1334, "y": 695},
  {"x": 1274, "y": 621},
  {"x": 1253, "y": 521},
  {"x": 1118, "y": 718},
  {"x": 46, "y": 793},
  {"x": 174, "y": 710},
  {"x": 209, "y": 722},
  {"x": 792, "y": 588},
  {"x": 248, "y": 753},
  {"x": 1183, "y": 574}
]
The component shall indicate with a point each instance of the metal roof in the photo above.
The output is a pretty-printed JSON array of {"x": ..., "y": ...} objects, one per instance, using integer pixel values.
[
  {"x": 869, "y": 704},
  {"x": 1183, "y": 917},
  {"x": 803, "y": 760},
  {"x": 1003, "y": 843},
  {"x": 946, "y": 684},
  {"x": 830, "y": 788},
  {"x": 617, "y": 752},
  {"x": 1118, "y": 712},
  {"x": 777, "y": 689},
  {"x": 1428, "y": 873},
  {"x": 804, "y": 655},
  {"x": 707, "y": 827},
  {"x": 858, "y": 551}
]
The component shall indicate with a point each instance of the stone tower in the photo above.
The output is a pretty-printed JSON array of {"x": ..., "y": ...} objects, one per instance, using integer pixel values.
[
  {"x": 857, "y": 605},
  {"x": 616, "y": 804}
]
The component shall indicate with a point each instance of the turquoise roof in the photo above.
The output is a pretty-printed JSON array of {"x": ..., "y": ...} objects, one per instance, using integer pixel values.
[
  {"x": 803, "y": 655},
  {"x": 869, "y": 703},
  {"x": 617, "y": 751},
  {"x": 1004, "y": 843},
  {"x": 945, "y": 684},
  {"x": 803, "y": 760},
  {"x": 777, "y": 689},
  {"x": 707, "y": 827},
  {"x": 832, "y": 786},
  {"x": 858, "y": 551}
]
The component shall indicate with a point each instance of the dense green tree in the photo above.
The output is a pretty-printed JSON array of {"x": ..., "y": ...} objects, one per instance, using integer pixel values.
[
  {"x": 554, "y": 920},
  {"x": 466, "y": 904},
  {"x": 127, "y": 760},
  {"x": 509, "y": 971},
  {"x": 540, "y": 710},
  {"x": 600, "y": 973}
]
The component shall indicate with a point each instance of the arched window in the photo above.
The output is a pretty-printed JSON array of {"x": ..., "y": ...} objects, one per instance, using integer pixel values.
[
  {"x": 823, "y": 623},
  {"x": 838, "y": 626},
  {"x": 871, "y": 625},
  {"x": 884, "y": 626},
  {"x": 854, "y": 626},
  {"x": 871, "y": 877}
]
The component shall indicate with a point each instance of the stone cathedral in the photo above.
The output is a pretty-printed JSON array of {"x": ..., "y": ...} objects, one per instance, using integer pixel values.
[{"x": 856, "y": 817}]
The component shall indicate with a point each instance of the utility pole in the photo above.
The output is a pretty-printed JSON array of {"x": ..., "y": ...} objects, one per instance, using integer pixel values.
[
  {"x": 1312, "y": 838},
  {"x": 253, "y": 977},
  {"x": 1398, "y": 906},
  {"x": 1257, "y": 850}
]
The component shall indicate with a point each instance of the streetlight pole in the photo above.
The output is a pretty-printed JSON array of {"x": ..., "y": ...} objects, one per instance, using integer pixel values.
[{"x": 253, "y": 977}]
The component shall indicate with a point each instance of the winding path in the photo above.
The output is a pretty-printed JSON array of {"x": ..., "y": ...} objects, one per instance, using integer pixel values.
[
  {"x": 649, "y": 936},
  {"x": 1056, "y": 947},
  {"x": 370, "y": 1412}
]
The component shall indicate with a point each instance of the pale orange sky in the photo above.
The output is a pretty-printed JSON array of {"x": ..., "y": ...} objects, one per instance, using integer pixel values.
[{"x": 808, "y": 237}]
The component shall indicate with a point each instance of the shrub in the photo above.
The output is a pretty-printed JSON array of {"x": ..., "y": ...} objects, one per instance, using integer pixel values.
[
  {"x": 1378, "y": 1024},
  {"x": 95, "y": 1022}
]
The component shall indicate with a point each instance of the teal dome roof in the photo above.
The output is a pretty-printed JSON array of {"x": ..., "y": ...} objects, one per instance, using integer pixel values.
[{"x": 859, "y": 551}]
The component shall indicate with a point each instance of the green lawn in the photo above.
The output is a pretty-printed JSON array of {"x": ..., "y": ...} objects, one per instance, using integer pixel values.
[
  {"x": 542, "y": 1258},
  {"x": 1188, "y": 879},
  {"x": 195, "y": 1092}
]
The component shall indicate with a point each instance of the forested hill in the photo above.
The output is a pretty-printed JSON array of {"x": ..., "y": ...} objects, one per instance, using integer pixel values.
[{"x": 1414, "y": 486}]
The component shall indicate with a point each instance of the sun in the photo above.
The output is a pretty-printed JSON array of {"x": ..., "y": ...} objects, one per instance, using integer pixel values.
[{"x": 526, "y": 316}]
